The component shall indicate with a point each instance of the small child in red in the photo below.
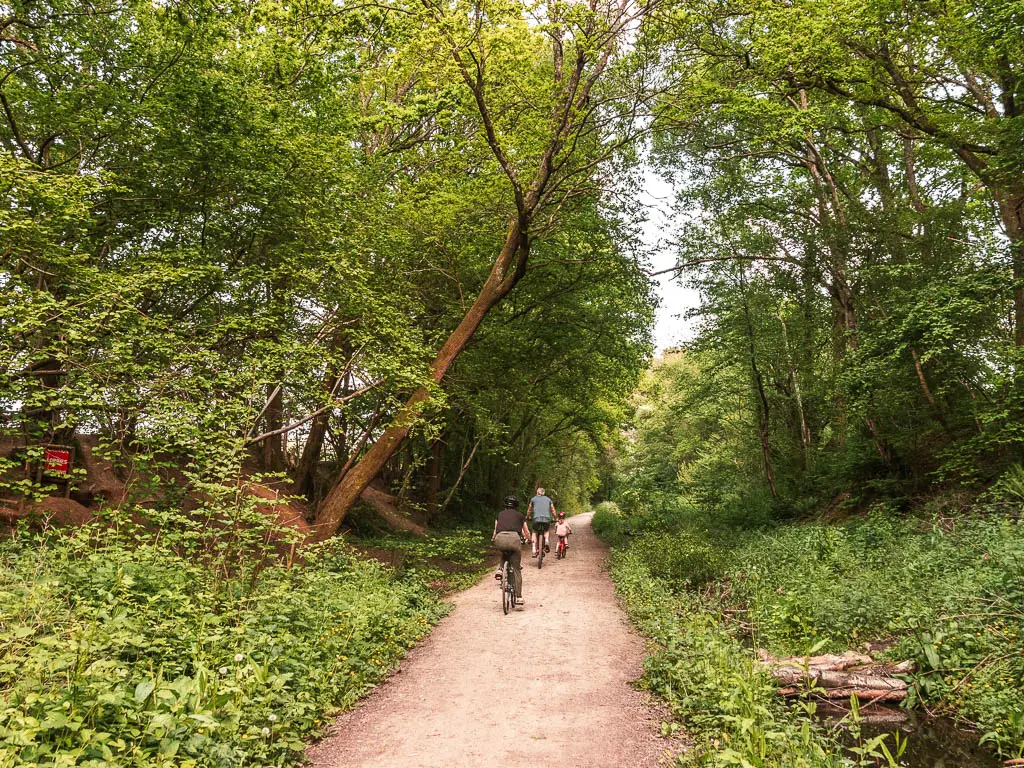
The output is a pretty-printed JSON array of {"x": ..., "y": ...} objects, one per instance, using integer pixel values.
[{"x": 563, "y": 529}]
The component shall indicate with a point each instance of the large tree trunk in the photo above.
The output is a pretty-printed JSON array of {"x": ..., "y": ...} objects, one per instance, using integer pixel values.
[
  {"x": 305, "y": 472},
  {"x": 1011, "y": 212},
  {"x": 504, "y": 274},
  {"x": 273, "y": 451}
]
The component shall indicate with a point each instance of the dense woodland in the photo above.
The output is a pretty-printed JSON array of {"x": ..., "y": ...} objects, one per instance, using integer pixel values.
[
  {"x": 399, "y": 244},
  {"x": 314, "y": 253},
  {"x": 259, "y": 239}
]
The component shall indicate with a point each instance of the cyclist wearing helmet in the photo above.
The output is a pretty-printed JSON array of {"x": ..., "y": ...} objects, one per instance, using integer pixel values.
[
  {"x": 509, "y": 532},
  {"x": 563, "y": 529},
  {"x": 543, "y": 509}
]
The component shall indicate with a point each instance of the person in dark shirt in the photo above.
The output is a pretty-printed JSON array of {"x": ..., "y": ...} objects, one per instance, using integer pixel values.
[{"x": 509, "y": 526}]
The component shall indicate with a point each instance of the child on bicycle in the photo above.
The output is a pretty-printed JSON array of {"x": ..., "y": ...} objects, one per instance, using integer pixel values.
[{"x": 562, "y": 530}]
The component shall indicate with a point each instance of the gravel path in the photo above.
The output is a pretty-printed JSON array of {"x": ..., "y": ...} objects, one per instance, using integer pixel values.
[{"x": 462, "y": 700}]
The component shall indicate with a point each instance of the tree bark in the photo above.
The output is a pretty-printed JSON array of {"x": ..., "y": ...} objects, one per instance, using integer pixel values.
[
  {"x": 1011, "y": 213},
  {"x": 273, "y": 451},
  {"x": 763, "y": 407},
  {"x": 505, "y": 273},
  {"x": 306, "y": 471}
]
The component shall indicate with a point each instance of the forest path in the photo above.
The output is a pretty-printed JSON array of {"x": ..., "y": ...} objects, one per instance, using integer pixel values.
[{"x": 472, "y": 694}]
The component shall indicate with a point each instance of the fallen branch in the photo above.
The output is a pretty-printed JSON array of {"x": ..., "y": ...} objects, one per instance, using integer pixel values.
[{"x": 838, "y": 677}]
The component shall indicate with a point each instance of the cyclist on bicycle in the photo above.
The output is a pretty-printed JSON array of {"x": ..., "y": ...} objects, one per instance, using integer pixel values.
[
  {"x": 562, "y": 530},
  {"x": 543, "y": 509},
  {"x": 509, "y": 532}
]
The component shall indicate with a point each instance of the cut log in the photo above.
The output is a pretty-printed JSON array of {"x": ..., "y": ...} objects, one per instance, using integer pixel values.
[
  {"x": 846, "y": 693},
  {"x": 831, "y": 661},
  {"x": 838, "y": 677},
  {"x": 827, "y": 678}
]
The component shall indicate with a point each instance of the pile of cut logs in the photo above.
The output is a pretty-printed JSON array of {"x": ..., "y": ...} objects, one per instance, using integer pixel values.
[{"x": 839, "y": 677}]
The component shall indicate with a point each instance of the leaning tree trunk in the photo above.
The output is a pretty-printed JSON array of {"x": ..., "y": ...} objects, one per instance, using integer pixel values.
[
  {"x": 504, "y": 274},
  {"x": 570, "y": 113}
]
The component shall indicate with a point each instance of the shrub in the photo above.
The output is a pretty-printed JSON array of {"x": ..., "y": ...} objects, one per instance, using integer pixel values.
[
  {"x": 727, "y": 703},
  {"x": 681, "y": 560},
  {"x": 118, "y": 651}
]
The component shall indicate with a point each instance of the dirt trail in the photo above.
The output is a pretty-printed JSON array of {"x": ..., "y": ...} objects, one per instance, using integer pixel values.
[{"x": 460, "y": 701}]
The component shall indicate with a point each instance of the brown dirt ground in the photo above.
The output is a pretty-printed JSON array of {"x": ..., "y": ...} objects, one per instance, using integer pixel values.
[{"x": 547, "y": 685}]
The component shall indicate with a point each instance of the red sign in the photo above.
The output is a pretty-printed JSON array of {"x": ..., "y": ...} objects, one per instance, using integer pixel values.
[{"x": 57, "y": 461}]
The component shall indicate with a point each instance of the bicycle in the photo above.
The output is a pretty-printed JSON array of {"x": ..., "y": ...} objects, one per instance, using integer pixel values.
[
  {"x": 508, "y": 587},
  {"x": 560, "y": 550},
  {"x": 542, "y": 547}
]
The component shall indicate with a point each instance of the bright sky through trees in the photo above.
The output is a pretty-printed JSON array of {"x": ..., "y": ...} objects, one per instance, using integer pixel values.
[{"x": 671, "y": 326}]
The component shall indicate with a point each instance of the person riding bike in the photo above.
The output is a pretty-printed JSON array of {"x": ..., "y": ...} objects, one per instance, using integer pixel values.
[
  {"x": 562, "y": 530},
  {"x": 543, "y": 509},
  {"x": 509, "y": 533}
]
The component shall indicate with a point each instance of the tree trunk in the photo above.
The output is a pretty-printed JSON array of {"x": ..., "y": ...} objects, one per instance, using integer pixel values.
[
  {"x": 434, "y": 468},
  {"x": 763, "y": 408},
  {"x": 927, "y": 391},
  {"x": 505, "y": 273},
  {"x": 805, "y": 432},
  {"x": 462, "y": 474},
  {"x": 1011, "y": 212},
  {"x": 306, "y": 471},
  {"x": 273, "y": 451}
]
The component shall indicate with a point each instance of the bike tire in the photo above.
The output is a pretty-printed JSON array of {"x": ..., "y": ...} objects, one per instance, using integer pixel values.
[
  {"x": 505, "y": 590},
  {"x": 540, "y": 559}
]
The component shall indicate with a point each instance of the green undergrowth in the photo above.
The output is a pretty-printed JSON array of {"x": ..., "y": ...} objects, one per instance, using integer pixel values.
[
  {"x": 949, "y": 596},
  {"x": 449, "y": 560},
  {"x": 711, "y": 683},
  {"x": 117, "y": 651}
]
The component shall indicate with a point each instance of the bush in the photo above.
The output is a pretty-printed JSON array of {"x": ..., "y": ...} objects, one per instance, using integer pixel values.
[
  {"x": 681, "y": 560},
  {"x": 949, "y": 597},
  {"x": 727, "y": 703},
  {"x": 118, "y": 651}
]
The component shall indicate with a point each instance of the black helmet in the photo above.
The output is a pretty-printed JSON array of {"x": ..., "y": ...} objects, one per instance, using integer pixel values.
[{"x": 511, "y": 501}]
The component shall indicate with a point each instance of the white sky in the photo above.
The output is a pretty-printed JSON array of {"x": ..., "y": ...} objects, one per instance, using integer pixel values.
[{"x": 670, "y": 327}]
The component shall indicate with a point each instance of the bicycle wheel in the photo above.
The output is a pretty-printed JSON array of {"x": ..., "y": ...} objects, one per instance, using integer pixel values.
[
  {"x": 506, "y": 588},
  {"x": 540, "y": 558}
]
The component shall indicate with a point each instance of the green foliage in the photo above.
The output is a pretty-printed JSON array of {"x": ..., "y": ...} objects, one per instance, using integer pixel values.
[
  {"x": 727, "y": 704},
  {"x": 117, "y": 651},
  {"x": 946, "y": 594},
  {"x": 950, "y": 597},
  {"x": 449, "y": 560}
]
